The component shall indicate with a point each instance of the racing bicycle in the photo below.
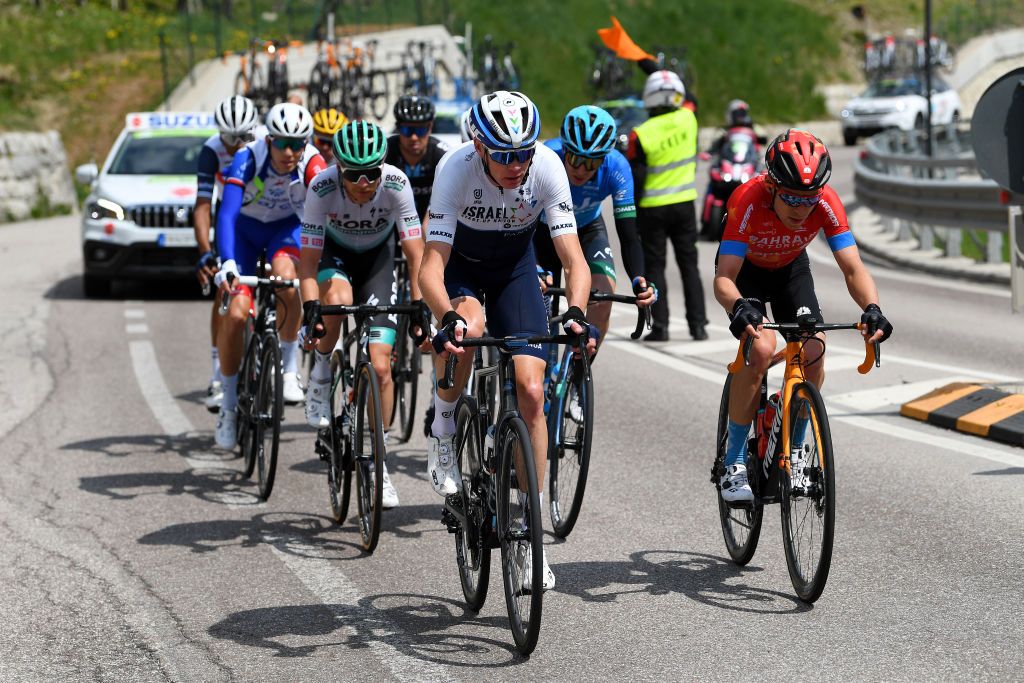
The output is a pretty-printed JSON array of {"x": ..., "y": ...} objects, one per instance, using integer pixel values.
[{"x": 406, "y": 360}]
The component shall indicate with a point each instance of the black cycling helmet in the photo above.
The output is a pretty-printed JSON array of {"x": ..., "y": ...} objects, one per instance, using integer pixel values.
[{"x": 414, "y": 109}]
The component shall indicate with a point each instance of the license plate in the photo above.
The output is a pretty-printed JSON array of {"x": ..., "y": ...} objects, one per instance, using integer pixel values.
[{"x": 177, "y": 239}]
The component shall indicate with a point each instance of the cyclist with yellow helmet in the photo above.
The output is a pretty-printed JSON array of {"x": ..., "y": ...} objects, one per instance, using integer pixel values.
[{"x": 327, "y": 122}]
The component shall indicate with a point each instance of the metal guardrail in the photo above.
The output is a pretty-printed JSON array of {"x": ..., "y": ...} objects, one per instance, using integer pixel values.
[{"x": 934, "y": 200}]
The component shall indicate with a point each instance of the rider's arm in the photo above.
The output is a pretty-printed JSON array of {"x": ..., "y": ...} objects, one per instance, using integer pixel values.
[
  {"x": 733, "y": 250},
  {"x": 201, "y": 224},
  {"x": 431, "y": 277},
  {"x": 313, "y": 234},
  {"x": 440, "y": 237},
  {"x": 206, "y": 178},
  {"x": 726, "y": 272},
  {"x": 240, "y": 172},
  {"x": 624, "y": 211},
  {"x": 858, "y": 280},
  {"x": 410, "y": 235},
  {"x": 562, "y": 226}
]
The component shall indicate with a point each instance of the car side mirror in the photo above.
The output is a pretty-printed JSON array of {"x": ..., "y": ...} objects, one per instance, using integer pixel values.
[{"x": 86, "y": 174}]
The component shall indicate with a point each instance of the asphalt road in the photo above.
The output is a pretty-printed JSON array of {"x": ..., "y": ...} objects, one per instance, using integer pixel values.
[{"x": 133, "y": 550}]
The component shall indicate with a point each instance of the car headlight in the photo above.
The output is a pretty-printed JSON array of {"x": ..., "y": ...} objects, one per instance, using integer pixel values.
[
  {"x": 104, "y": 208},
  {"x": 901, "y": 106},
  {"x": 845, "y": 113}
]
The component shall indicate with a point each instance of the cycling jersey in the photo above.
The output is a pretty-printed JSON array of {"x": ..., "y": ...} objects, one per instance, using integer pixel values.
[
  {"x": 214, "y": 160},
  {"x": 753, "y": 230},
  {"x": 358, "y": 228},
  {"x": 613, "y": 179},
  {"x": 421, "y": 175}
]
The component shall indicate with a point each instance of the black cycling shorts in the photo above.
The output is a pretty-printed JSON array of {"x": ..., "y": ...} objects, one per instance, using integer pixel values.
[
  {"x": 594, "y": 242},
  {"x": 789, "y": 289},
  {"x": 372, "y": 276}
]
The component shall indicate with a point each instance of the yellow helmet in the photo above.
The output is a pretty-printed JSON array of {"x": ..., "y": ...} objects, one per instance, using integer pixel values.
[{"x": 328, "y": 121}]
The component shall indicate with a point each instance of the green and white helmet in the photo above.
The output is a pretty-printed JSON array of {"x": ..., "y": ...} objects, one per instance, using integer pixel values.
[{"x": 360, "y": 144}]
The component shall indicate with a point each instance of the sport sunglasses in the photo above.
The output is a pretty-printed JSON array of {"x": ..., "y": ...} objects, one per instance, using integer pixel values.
[
  {"x": 520, "y": 156},
  {"x": 354, "y": 175},
  {"x": 294, "y": 144},
  {"x": 799, "y": 200},
  {"x": 589, "y": 163},
  {"x": 409, "y": 131}
]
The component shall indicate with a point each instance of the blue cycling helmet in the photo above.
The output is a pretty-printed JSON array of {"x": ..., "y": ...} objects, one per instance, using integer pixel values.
[
  {"x": 505, "y": 120},
  {"x": 588, "y": 131}
]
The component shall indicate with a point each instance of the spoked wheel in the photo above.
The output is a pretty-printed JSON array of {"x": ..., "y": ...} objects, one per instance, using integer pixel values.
[
  {"x": 471, "y": 550},
  {"x": 268, "y": 411},
  {"x": 405, "y": 372},
  {"x": 378, "y": 93},
  {"x": 520, "y": 534},
  {"x": 339, "y": 473},
  {"x": 809, "y": 509},
  {"x": 248, "y": 377},
  {"x": 368, "y": 455},
  {"x": 741, "y": 526},
  {"x": 569, "y": 448}
]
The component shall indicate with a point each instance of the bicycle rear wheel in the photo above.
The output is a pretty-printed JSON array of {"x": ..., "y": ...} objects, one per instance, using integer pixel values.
[
  {"x": 248, "y": 377},
  {"x": 339, "y": 473},
  {"x": 471, "y": 550},
  {"x": 741, "y": 526},
  {"x": 269, "y": 409},
  {"x": 808, "y": 518},
  {"x": 368, "y": 455},
  {"x": 572, "y": 416},
  {"x": 520, "y": 533}
]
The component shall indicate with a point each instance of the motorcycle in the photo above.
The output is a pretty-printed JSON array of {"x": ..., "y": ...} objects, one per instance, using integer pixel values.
[{"x": 734, "y": 160}]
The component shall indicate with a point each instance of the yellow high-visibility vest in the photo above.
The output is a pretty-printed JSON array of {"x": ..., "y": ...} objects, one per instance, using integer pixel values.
[{"x": 670, "y": 145}]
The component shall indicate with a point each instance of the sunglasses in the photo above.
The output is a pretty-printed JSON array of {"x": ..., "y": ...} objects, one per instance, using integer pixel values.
[
  {"x": 235, "y": 140},
  {"x": 354, "y": 175},
  {"x": 520, "y": 156},
  {"x": 798, "y": 200},
  {"x": 323, "y": 140},
  {"x": 589, "y": 163},
  {"x": 294, "y": 144},
  {"x": 409, "y": 131}
]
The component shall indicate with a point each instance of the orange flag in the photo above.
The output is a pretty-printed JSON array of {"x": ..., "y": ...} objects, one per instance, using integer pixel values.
[{"x": 619, "y": 42}]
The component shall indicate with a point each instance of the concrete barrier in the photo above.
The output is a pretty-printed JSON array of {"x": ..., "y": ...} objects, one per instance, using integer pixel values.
[{"x": 33, "y": 175}]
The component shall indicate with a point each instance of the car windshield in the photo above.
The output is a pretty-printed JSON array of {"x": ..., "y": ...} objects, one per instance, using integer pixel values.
[
  {"x": 446, "y": 125},
  {"x": 894, "y": 88},
  {"x": 158, "y": 153}
]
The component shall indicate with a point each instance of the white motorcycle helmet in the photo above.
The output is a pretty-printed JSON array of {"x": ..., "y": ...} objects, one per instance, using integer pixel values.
[
  {"x": 287, "y": 120},
  {"x": 236, "y": 115},
  {"x": 663, "y": 89}
]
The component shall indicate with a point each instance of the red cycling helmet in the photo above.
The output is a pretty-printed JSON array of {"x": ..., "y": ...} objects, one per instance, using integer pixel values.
[{"x": 796, "y": 160}]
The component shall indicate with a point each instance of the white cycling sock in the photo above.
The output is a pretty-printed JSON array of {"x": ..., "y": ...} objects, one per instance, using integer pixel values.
[
  {"x": 215, "y": 375},
  {"x": 444, "y": 417},
  {"x": 289, "y": 353},
  {"x": 230, "y": 385},
  {"x": 321, "y": 367}
]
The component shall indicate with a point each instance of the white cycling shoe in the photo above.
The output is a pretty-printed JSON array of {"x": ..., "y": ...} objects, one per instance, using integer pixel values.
[
  {"x": 527, "y": 570},
  {"x": 442, "y": 466},
  {"x": 389, "y": 496},
  {"x": 226, "y": 434},
  {"x": 735, "y": 488},
  {"x": 318, "y": 404},
  {"x": 214, "y": 396},
  {"x": 291, "y": 389}
]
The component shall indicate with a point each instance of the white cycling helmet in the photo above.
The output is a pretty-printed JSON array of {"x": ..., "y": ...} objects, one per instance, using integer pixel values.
[
  {"x": 236, "y": 115},
  {"x": 287, "y": 120},
  {"x": 663, "y": 89},
  {"x": 505, "y": 120},
  {"x": 465, "y": 125}
]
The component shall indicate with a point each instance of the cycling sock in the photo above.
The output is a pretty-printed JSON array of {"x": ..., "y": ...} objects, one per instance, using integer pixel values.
[
  {"x": 800, "y": 430},
  {"x": 289, "y": 354},
  {"x": 321, "y": 367},
  {"x": 736, "y": 447},
  {"x": 230, "y": 385},
  {"x": 215, "y": 375},
  {"x": 444, "y": 417}
]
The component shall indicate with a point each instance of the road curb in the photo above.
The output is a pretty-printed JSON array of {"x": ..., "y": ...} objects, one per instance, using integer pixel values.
[
  {"x": 874, "y": 240},
  {"x": 973, "y": 409}
]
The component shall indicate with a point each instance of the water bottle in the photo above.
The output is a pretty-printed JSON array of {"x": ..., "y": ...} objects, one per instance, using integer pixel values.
[{"x": 771, "y": 426}]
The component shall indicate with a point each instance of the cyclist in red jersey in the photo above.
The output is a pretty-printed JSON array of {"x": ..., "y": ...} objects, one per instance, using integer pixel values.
[{"x": 762, "y": 259}]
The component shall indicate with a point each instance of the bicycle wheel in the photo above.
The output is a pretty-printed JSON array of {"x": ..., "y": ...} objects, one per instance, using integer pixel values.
[
  {"x": 248, "y": 376},
  {"x": 242, "y": 84},
  {"x": 339, "y": 473},
  {"x": 572, "y": 416},
  {"x": 520, "y": 533},
  {"x": 741, "y": 526},
  {"x": 808, "y": 518},
  {"x": 368, "y": 455},
  {"x": 269, "y": 409},
  {"x": 471, "y": 550},
  {"x": 378, "y": 94}
]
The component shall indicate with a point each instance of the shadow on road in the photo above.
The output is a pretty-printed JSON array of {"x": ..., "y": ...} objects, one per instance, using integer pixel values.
[
  {"x": 704, "y": 578},
  {"x": 1007, "y": 470},
  {"x": 226, "y": 487},
  {"x": 72, "y": 289},
  {"x": 417, "y": 626},
  {"x": 193, "y": 445}
]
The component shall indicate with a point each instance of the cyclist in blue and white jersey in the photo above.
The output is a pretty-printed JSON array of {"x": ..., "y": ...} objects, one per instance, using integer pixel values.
[
  {"x": 264, "y": 194},
  {"x": 236, "y": 119},
  {"x": 488, "y": 196},
  {"x": 596, "y": 170},
  {"x": 352, "y": 210}
]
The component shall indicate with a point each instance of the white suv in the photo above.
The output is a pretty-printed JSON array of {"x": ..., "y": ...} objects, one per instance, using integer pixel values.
[
  {"x": 137, "y": 219},
  {"x": 898, "y": 103}
]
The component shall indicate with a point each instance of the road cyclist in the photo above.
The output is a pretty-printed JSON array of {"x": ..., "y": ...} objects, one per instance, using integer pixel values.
[{"x": 327, "y": 122}]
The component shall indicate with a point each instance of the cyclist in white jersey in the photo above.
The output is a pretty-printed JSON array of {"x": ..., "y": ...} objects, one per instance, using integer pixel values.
[
  {"x": 488, "y": 195},
  {"x": 352, "y": 210}
]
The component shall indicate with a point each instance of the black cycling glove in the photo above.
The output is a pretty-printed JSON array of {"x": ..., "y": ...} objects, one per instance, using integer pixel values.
[
  {"x": 208, "y": 260},
  {"x": 873, "y": 320},
  {"x": 422, "y": 322},
  {"x": 311, "y": 318},
  {"x": 449, "y": 323},
  {"x": 744, "y": 313}
]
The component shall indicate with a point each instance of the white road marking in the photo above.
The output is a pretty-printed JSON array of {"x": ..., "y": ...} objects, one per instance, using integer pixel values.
[
  {"x": 134, "y": 313},
  {"x": 329, "y": 584},
  {"x": 890, "y": 398},
  {"x": 136, "y": 328}
]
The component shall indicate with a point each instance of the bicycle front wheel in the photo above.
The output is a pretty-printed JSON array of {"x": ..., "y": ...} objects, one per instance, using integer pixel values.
[
  {"x": 339, "y": 473},
  {"x": 368, "y": 455},
  {"x": 741, "y": 526},
  {"x": 520, "y": 534},
  {"x": 269, "y": 409},
  {"x": 809, "y": 514},
  {"x": 471, "y": 550},
  {"x": 572, "y": 414}
]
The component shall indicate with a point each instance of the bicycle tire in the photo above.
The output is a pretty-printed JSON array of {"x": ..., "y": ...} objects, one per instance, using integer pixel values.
[
  {"x": 247, "y": 382},
  {"x": 369, "y": 432},
  {"x": 569, "y": 448},
  {"x": 378, "y": 93},
  {"x": 741, "y": 526},
  {"x": 269, "y": 412},
  {"x": 339, "y": 473},
  {"x": 800, "y": 512},
  {"x": 524, "y": 607},
  {"x": 472, "y": 553}
]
